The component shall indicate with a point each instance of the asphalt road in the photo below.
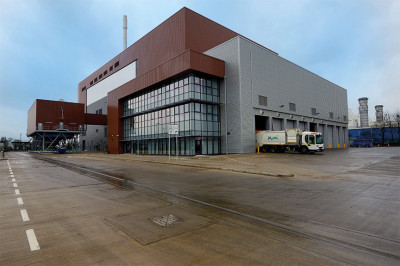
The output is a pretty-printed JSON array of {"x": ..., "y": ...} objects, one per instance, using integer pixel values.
[{"x": 341, "y": 207}]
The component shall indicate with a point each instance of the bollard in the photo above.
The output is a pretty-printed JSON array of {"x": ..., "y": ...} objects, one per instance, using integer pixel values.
[{"x": 258, "y": 149}]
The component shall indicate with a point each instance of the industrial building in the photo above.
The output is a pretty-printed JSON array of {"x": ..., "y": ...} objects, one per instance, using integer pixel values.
[{"x": 217, "y": 86}]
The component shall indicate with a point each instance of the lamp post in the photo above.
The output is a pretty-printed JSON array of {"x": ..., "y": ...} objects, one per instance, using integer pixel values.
[{"x": 226, "y": 118}]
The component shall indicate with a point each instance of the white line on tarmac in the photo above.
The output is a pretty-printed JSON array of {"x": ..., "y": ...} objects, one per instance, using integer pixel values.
[
  {"x": 11, "y": 175},
  {"x": 33, "y": 243},
  {"x": 24, "y": 215},
  {"x": 20, "y": 201},
  {"x": 13, "y": 180},
  {"x": 17, "y": 192},
  {"x": 15, "y": 185}
]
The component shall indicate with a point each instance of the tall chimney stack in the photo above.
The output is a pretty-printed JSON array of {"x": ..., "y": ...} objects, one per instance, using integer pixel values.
[
  {"x": 363, "y": 109},
  {"x": 125, "y": 21},
  {"x": 379, "y": 113}
]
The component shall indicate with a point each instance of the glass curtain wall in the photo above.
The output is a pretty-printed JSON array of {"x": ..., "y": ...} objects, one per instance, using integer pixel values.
[{"x": 191, "y": 102}]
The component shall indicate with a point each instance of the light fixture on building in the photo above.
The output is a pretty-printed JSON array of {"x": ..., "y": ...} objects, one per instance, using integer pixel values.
[
  {"x": 291, "y": 116},
  {"x": 261, "y": 112},
  {"x": 277, "y": 114}
]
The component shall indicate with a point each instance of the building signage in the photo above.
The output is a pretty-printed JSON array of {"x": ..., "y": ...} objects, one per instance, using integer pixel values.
[{"x": 173, "y": 129}]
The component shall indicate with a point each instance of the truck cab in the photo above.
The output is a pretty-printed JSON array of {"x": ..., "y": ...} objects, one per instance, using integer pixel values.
[{"x": 312, "y": 142}]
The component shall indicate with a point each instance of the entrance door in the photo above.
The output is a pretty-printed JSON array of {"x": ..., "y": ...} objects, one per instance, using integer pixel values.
[{"x": 198, "y": 146}]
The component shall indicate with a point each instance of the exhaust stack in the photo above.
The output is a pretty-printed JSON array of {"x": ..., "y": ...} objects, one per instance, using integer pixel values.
[
  {"x": 125, "y": 26},
  {"x": 363, "y": 109},
  {"x": 379, "y": 113}
]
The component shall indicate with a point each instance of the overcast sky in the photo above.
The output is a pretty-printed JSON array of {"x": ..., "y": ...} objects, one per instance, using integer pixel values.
[{"x": 48, "y": 46}]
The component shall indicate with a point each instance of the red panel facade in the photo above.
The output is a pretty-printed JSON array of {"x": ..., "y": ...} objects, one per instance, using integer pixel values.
[
  {"x": 172, "y": 48},
  {"x": 51, "y": 113}
]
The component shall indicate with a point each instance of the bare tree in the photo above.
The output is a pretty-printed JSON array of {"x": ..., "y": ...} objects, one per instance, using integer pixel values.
[
  {"x": 382, "y": 125},
  {"x": 395, "y": 124}
]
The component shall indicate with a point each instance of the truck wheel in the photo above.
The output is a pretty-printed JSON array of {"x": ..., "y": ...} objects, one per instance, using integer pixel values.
[
  {"x": 304, "y": 150},
  {"x": 264, "y": 148},
  {"x": 282, "y": 149},
  {"x": 273, "y": 149}
]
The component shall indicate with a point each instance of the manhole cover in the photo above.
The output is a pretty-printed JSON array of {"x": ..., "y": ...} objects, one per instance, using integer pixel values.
[{"x": 166, "y": 220}]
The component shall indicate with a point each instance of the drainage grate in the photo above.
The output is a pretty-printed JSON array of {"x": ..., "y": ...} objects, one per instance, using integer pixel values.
[{"x": 166, "y": 220}]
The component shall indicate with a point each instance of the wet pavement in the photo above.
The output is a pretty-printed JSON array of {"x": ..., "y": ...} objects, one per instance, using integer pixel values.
[{"x": 341, "y": 206}]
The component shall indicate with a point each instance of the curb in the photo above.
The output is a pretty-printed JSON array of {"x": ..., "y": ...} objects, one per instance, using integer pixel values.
[
  {"x": 207, "y": 167},
  {"x": 217, "y": 168}
]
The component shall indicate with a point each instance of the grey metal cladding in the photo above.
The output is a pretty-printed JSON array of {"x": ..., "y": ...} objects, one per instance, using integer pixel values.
[
  {"x": 283, "y": 82},
  {"x": 100, "y": 104},
  {"x": 229, "y": 53},
  {"x": 246, "y": 95},
  {"x": 95, "y": 133},
  {"x": 252, "y": 70}
]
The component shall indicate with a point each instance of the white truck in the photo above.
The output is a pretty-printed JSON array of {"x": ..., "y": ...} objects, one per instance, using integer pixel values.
[{"x": 293, "y": 139}]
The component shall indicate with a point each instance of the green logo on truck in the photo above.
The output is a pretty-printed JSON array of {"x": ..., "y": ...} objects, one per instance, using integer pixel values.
[{"x": 272, "y": 138}]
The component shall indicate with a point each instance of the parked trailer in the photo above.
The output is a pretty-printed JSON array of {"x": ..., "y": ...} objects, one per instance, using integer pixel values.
[{"x": 292, "y": 139}]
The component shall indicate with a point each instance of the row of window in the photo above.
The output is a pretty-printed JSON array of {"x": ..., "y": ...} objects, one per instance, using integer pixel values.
[
  {"x": 189, "y": 87},
  {"x": 193, "y": 119},
  {"x": 262, "y": 100},
  {"x": 116, "y": 64},
  {"x": 184, "y": 146}
]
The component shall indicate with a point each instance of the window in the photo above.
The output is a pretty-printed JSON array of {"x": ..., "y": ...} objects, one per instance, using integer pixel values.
[
  {"x": 84, "y": 88},
  {"x": 344, "y": 118},
  {"x": 292, "y": 107},
  {"x": 105, "y": 73},
  {"x": 105, "y": 132},
  {"x": 97, "y": 130},
  {"x": 101, "y": 75},
  {"x": 111, "y": 68},
  {"x": 313, "y": 111},
  {"x": 330, "y": 115},
  {"x": 116, "y": 64},
  {"x": 100, "y": 111},
  {"x": 262, "y": 100},
  {"x": 91, "y": 83},
  {"x": 95, "y": 80}
]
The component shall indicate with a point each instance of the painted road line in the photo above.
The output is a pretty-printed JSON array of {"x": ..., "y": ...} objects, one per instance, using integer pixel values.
[
  {"x": 15, "y": 185},
  {"x": 33, "y": 243},
  {"x": 13, "y": 180},
  {"x": 11, "y": 175},
  {"x": 24, "y": 215},
  {"x": 20, "y": 201},
  {"x": 17, "y": 192}
]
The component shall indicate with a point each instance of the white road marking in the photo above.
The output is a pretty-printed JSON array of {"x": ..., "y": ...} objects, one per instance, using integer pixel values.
[
  {"x": 11, "y": 175},
  {"x": 33, "y": 243},
  {"x": 24, "y": 215},
  {"x": 20, "y": 201},
  {"x": 13, "y": 180},
  {"x": 15, "y": 185},
  {"x": 17, "y": 192}
]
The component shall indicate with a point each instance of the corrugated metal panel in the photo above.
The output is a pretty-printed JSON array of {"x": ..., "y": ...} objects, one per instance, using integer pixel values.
[
  {"x": 282, "y": 82},
  {"x": 229, "y": 52}
]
